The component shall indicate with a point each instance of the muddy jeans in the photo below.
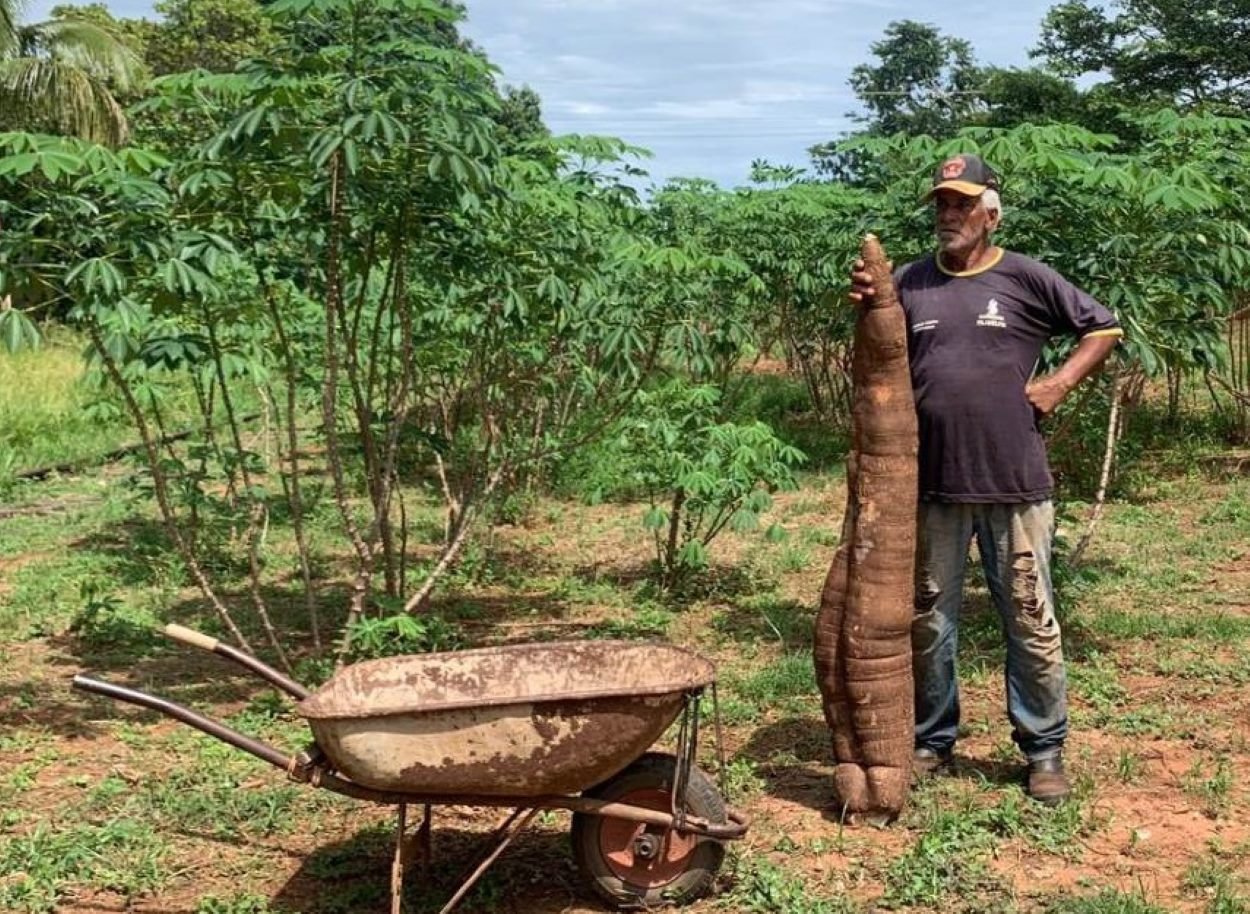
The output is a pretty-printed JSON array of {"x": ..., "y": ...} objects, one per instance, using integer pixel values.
[{"x": 1014, "y": 543}]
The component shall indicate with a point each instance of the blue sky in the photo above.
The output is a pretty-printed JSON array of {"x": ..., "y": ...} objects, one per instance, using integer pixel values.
[{"x": 709, "y": 85}]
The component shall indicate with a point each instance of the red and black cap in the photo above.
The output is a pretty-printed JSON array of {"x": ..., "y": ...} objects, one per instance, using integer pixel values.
[{"x": 966, "y": 174}]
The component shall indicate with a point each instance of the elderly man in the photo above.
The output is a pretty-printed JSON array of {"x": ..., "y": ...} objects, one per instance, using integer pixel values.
[{"x": 977, "y": 319}]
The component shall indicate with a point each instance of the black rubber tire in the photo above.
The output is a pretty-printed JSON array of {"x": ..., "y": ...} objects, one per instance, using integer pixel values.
[{"x": 653, "y": 771}]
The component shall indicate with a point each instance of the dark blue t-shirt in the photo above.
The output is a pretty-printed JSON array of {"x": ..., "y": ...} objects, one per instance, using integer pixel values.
[{"x": 974, "y": 340}]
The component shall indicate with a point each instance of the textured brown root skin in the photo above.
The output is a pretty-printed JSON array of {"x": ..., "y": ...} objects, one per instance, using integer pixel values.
[
  {"x": 829, "y": 658},
  {"x": 863, "y": 631}
]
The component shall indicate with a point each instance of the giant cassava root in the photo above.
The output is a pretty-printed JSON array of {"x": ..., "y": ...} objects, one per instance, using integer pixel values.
[{"x": 863, "y": 631}]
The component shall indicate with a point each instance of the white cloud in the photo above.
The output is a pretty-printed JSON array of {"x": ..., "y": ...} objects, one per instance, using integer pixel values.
[
  {"x": 767, "y": 91},
  {"x": 581, "y": 109},
  {"x": 708, "y": 109}
]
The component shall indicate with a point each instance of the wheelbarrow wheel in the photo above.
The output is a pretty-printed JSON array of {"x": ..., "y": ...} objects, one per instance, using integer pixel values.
[{"x": 632, "y": 865}]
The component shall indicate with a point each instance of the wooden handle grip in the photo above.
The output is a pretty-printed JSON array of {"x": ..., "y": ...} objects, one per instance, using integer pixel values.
[{"x": 191, "y": 636}]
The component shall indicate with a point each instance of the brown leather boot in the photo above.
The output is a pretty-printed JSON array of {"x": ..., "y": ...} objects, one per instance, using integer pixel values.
[{"x": 1047, "y": 782}]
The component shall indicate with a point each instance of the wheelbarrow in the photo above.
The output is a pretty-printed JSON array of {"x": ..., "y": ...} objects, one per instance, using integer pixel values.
[{"x": 560, "y": 725}]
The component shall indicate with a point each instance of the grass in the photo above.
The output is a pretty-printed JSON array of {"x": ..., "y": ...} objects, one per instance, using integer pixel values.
[
  {"x": 52, "y": 411},
  {"x": 1108, "y": 901},
  {"x": 787, "y": 683},
  {"x": 1211, "y": 781},
  {"x": 763, "y": 887},
  {"x": 960, "y": 830},
  {"x": 43, "y": 407},
  {"x": 1216, "y": 880},
  {"x": 245, "y": 903},
  {"x": 123, "y": 856},
  {"x": 1155, "y": 627},
  {"x": 947, "y": 859}
]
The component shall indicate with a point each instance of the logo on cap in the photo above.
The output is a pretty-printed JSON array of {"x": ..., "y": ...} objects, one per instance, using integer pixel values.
[{"x": 953, "y": 168}]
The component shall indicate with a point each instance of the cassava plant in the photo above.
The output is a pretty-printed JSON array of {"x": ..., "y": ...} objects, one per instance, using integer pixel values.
[
  {"x": 467, "y": 300},
  {"x": 700, "y": 475},
  {"x": 346, "y": 255},
  {"x": 791, "y": 241},
  {"x": 111, "y": 273}
]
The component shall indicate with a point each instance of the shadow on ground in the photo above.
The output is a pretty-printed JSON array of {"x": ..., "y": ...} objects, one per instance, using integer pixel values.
[
  {"x": 794, "y": 759},
  {"x": 535, "y": 875}
]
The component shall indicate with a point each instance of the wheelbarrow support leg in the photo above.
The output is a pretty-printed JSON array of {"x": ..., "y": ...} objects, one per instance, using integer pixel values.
[
  {"x": 423, "y": 838},
  {"x": 406, "y": 846},
  {"x": 397, "y": 865},
  {"x": 512, "y": 827}
]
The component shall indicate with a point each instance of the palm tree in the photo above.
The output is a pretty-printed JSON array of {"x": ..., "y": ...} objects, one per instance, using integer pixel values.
[{"x": 59, "y": 76}]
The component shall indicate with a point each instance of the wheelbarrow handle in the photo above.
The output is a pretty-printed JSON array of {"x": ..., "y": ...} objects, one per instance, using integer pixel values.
[
  {"x": 261, "y": 750},
  {"x": 207, "y": 643}
]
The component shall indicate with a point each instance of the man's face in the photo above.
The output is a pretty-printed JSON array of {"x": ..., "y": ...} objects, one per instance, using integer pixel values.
[{"x": 961, "y": 221}]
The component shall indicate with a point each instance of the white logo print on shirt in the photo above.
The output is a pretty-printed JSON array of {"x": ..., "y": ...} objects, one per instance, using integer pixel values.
[{"x": 990, "y": 317}]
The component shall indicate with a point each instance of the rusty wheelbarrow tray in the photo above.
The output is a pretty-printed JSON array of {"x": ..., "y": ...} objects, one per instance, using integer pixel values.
[{"x": 560, "y": 725}]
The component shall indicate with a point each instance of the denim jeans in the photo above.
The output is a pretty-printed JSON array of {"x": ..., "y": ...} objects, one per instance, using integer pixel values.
[{"x": 1014, "y": 543}]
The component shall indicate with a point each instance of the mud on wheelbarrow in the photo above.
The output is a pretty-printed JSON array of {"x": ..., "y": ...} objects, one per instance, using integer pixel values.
[{"x": 561, "y": 725}]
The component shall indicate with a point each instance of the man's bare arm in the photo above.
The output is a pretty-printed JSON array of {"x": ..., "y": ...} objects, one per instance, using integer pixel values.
[{"x": 1047, "y": 393}]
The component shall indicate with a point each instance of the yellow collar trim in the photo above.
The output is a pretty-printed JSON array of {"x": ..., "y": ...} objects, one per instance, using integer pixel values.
[{"x": 993, "y": 262}]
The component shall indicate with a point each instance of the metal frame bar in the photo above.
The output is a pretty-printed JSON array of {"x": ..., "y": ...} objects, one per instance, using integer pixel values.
[{"x": 503, "y": 836}]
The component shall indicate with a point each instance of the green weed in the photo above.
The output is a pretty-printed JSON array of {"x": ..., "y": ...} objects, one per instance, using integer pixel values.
[
  {"x": 1206, "y": 668},
  {"x": 823, "y": 537},
  {"x": 1052, "y": 830},
  {"x": 644, "y": 622},
  {"x": 1233, "y": 513},
  {"x": 353, "y": 897},
  {"x": 1209, "y": 875},
  {"x": 1227, "y": 901},
  {"x": 42, "y": 398},
  {"x": 354, "y": 857},
  {"x": 767, "y": 617},
  {"x": 47, "y": 594},
  {"x": 1128, "y": 766},
  {"x": 1096, "y": 682},
  {"x": 106, "y": 791},
  {"x": 762, "y": 887},
  {"x": 1108, "y": 901},
  {"x": 24, "y": 739},
  {"x": 740, "y": 780},
  {"x": 781, "y": 682},
  {"x": 402, "y": 633},
  {"x": 218, "y": 806},
  {"x": 1217, "y": 628},
  {"x": 123, "y": 856},
  {"x": 573, "y": 588},
  {"x": 958, "y": 834},
  {"x": 1213, "y": 788},
  {"x": 979, "y": 671},
  {"x": 106, "y": 622},
  {"x": 793, "y": 560},
  {"x": 219, "y": 792},
  {"x": 235, "y": 904},
  {"x": 948, "y": 859},
  {"x": 1147, "y": 720},
  {"x": 735, "y": 711},
  {"x": 22, "y": 777}
]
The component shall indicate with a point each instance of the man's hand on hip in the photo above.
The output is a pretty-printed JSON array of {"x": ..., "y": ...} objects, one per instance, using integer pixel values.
[{"x": 1046, "y": 394}]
